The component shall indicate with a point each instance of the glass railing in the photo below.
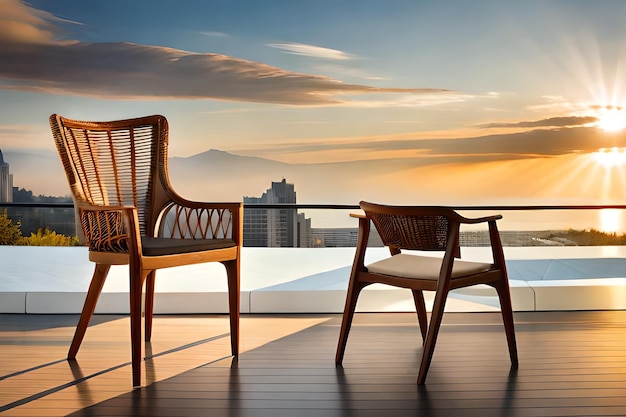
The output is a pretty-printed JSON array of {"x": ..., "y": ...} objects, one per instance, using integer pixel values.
[
  {"x": 329, "y": 225},
  {"x": 558, "y": 258},
  {"x": 31, "y": 217}
]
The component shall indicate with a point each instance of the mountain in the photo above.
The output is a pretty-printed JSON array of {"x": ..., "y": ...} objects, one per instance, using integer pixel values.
[
  {"x": 219, "y": 175},
  {"x": 215, "y": 175},
  {"x": 216, "y": 163}
]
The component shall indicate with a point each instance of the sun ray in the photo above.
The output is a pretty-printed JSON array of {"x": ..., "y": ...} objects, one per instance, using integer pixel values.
[
  {"x": 612, "y": 119},
  {"x": 610, "y": 157}
]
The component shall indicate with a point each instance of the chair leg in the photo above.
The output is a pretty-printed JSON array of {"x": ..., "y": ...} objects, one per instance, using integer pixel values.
[
  {"x": 420, "y": 307},
  {"x": 431, "y": 337},
  {"x": 137, "y": 278},
  {"x": 506, "y": 307},
  {"x": 149, "y": 305},
  {"x": 95, "y": 288},
  {"x": 234, "y": 302},
  {"x": 354, "y": 289}
]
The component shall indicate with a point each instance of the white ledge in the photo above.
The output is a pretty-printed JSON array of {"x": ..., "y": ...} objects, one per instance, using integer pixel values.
[{"x": 54, "y": 280}]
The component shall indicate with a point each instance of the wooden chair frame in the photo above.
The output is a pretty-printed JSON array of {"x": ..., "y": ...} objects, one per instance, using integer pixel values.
[
  {"x": 426, "y": 229},
  {"x": 130, "y": 215}
]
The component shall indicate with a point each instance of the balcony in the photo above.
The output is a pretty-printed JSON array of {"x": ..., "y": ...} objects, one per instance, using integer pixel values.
[
  {"x": 571, "y": 361},
  {"x": 53, "y": 280},
  {"x": 571, "y": 364}
]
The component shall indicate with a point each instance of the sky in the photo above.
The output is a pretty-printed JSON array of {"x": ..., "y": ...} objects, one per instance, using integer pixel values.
[{"x": 520, "y": 102}]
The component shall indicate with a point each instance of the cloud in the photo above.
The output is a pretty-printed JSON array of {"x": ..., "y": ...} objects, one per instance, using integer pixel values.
[
  {"x": 31, "y": 58},
  {"x": 311, "y": 51},
  {"x": 567, "y": 121},
  {"x": 214, "y": 34},
  {"x": 534, "y": 143},
  {"x": 530, "y": 144},
  {"x": 22, "y": 24}
]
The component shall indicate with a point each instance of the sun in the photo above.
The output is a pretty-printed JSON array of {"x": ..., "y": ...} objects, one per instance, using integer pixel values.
[
  {"x": 610, "y": 157},
  {"x": 612, "y": 119},
  {"x": 610, "y": 220}
]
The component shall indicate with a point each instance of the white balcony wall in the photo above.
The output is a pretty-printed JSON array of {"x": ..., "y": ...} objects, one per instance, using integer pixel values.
[{"x": 54, "y": 280}]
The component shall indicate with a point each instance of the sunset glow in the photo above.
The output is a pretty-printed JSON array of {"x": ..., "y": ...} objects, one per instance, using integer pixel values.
[
  {"x": 533, "y": 111},
  {"x": 610, "y": 157},
  {"x": 612, "y": 119},
  {"x": 610, "y": 220}
]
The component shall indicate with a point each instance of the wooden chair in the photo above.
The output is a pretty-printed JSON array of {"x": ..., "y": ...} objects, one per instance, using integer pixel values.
[
  {"x": 117, "y": 172},
  {"x": 425, "y": 229}
]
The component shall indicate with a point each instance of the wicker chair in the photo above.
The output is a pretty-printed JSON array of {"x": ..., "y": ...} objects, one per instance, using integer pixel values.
[
  {"x": 117, "y": 172},
  {"x": 425, "y": 229}
]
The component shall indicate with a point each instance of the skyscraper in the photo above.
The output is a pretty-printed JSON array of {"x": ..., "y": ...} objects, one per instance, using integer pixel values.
[
  {"x": 6, "y": 182},
  {"x": 271, "y": 227}
]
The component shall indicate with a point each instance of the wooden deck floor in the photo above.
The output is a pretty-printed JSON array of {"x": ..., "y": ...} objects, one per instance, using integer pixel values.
[{"x": 571, "y": 364}]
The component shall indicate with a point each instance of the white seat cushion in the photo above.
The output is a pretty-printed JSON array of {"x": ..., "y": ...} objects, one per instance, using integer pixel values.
[{"x": 424, "y": 267}]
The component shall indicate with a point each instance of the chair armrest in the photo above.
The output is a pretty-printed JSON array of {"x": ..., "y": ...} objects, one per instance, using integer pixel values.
[
  {"x": 475, "y": 220},
  {"x": 185, "y": 219},
  {"x": 109, "y": 228},
  {"x": 494, "y": 237},
  {"x": 358, "y": 215}
]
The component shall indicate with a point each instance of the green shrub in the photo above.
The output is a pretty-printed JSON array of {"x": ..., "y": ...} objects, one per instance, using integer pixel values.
[
  {"x": 10, "y": 233},
  {"x": 48, "y": 237}
]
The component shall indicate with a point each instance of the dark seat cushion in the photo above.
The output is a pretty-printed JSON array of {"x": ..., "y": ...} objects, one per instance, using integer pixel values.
[{"x": 156, "y": 246}]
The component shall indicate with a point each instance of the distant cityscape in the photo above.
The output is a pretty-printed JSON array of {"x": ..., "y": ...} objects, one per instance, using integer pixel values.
[
  {"x": 264, "y": 227},
  {"x": 288, "y": 228},
  {"x": 267, "y": 227}
]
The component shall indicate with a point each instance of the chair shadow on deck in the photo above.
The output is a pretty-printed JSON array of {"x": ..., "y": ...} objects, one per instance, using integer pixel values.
[
  {"x": 296, "y": 376},
  {"x": 573, "y": 364}
]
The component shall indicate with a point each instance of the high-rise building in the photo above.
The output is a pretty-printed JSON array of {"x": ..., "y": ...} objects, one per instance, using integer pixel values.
[
  {"x": 285, "y": 227},
  {"x": 6, "y": 182},
  {"x": 272, "y": 227},
  {"x": 254, "y": 223}
]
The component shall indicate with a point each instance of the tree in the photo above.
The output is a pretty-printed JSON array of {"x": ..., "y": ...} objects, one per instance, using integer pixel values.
[{"x": 10, "y": 233}]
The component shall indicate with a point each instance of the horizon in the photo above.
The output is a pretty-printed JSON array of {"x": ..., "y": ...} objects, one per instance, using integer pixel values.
[
  {"x": 481, "y": 103},
  {"x": 606, "y": 220}
]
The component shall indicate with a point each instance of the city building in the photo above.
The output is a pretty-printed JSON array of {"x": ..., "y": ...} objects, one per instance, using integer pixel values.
[
  {"x": 6, "y": 182},
  {"x": 339, "y": 237},
  {"x": 274, "y": 228},
  {"x": 285, "y": 227}
]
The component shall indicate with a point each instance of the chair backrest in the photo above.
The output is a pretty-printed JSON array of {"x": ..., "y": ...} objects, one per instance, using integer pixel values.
[
  {"x": 411, "y": 227},
  {"x": 116, "y": 163}
]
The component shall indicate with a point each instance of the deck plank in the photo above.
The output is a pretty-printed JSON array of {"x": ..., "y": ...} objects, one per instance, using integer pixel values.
[{"x": 571, "y": 364}]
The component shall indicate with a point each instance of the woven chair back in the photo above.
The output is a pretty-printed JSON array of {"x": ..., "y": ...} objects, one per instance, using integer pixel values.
[
  {"x": 413, "y": 233},
  {"x": 412, "y": 228},
  {"x": 114, "y": 163}
]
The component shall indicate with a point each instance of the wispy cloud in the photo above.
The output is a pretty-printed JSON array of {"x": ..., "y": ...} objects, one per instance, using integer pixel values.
[
  {"x": 214, "y": 34},
  {"x": 346, "y": 70},
  {"x": 311, "y": 51},
  {"x": 132, "y": 71},
  {"x": 32, "y": 58},
  {"x": 567, "y": 121},
  {"x": 531, "y": 144}
]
